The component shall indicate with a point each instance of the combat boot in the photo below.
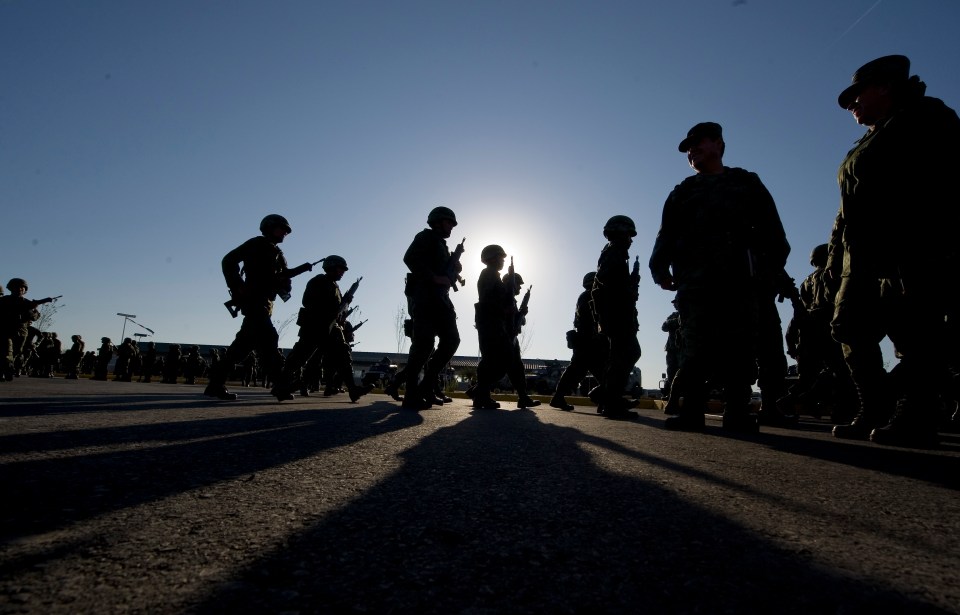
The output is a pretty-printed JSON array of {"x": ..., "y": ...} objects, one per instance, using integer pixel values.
[
  {"x": 220, "y": 392},
  {"x": 281, "y": 393},
  {"x": 741, "y": 420},
  {"x": 525, "y": 401},
  {"x": 356, "y": 392},
  {"x": 908, "y": 427},
  {"x": 560, "y": 403},
  {"x": 481, "y": 402},
  {"x": 685, "y": 421},
  {"x": 619, "y": 409},
  {"x": 393, "y": 390}
]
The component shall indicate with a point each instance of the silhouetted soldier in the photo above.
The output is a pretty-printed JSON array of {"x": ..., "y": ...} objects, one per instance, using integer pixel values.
[
  {"x": 588, "y": 350},
  {"x": 149, "y": 362},
  {"x": 614, "y": 295},
  {"x": 253, "y": 290},
  {"x": 321, "y": 332},
  {"x": 104, "y": 356},
  {"x": 432, "y": 274},
  {"x": 894, "y": 249},
  {"x": 125, "y": 353},
  {"x": 16, "y": 314},
  {"x": 73, "y": 357},
  {"x": 720, "y": 238},
  {"x": 171, "y": 364}
]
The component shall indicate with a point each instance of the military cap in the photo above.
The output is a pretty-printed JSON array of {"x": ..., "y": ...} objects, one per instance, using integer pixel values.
[
  {"x": 882, "y": 70},
  {"x": 698, "y": 132}
]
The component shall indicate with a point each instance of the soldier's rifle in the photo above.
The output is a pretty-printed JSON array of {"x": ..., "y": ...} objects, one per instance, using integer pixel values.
[
  {"x": 36, "y": 302},
  {"x": 284, "y": 276},
  {"x": 347, "y": 298},
  {"x": 452, "y": 266}
]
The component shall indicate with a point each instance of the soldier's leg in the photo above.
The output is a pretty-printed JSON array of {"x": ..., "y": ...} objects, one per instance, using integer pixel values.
[
  {"x": 918, "y": 331},
  {"x": 447, "y": 344},
  {"x": 859, "y": 325},
  {"x": 624, "y": 354}
]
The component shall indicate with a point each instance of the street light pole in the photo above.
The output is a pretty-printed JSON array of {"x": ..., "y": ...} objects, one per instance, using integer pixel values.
[{"x": 126, "y": 317}]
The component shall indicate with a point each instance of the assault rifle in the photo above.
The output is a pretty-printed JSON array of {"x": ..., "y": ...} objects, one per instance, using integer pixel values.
[
  {"x": 521, "y": 313},
  {"x": 348, "y": 297},
  {"x": 284, "y": 277},
  {"x": 453, "y": 264},
  {"x": 635, "y": 274},
  {"x": 36, "y": 302}
]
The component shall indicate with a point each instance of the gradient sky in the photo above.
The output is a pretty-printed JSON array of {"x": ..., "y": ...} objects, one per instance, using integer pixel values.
[{"x": 141, "y": 141}]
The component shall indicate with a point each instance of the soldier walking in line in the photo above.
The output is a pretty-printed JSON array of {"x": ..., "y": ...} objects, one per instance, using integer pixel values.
[
  {"x": 320, "y": 332},
  {"x": 253, "y": 290},
  {"x": 615, "y": 293},
  {"x": 673, "y": 348},
  {"x": 433, "y": 272},
  {"x": 588, "y": 349},
  {"x": 720, "y": 237},
  {"x": 894, "y": 253}
]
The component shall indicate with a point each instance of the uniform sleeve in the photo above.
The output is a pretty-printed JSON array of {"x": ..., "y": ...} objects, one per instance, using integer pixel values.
[{"x": 663, "y": 246}]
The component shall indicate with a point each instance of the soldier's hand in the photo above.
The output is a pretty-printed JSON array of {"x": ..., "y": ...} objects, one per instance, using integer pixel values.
[
  {"x": 307, "y": 266},
  {"x": 667, "y": 283}
]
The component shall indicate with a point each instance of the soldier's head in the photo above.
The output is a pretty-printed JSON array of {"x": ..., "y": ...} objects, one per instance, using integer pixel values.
[
  {"x": 442, "y": 219},
  {"x": 335, "y": 266},
  {"x": 513, "y": 279},
  {"x": 588, "y": 280},
  {"x": 275, "y": 227},
  {"x": 105, "y": 340},
  {"x": 620, "y": 229},
  {"x": 704, "y": 147},
  {"x": 818, "y": 257},
  {"x": 17, "y": 286},
  {"x": 493, "y": 256},
  {"x": 871, "y": 96},
  {"x": 76, "y": 338}
]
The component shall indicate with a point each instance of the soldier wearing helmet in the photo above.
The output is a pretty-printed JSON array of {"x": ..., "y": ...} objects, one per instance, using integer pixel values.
[
  {"x": 614, "y": 297},
  {"x": 254, "y": 287},
  {"x": 496, "y": 311},
  {"x": 428, "y": 303},
  {"x": 321, "y": 333},
  {"x": 585, "y": 343},
  {"x": 720, "y": 244},
  {"x": 16, "y": 314},
  {"x": 73, "y": 357}
]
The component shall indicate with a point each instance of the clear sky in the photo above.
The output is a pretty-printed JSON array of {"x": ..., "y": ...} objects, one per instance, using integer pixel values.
[{"x": 141, "y": 141}]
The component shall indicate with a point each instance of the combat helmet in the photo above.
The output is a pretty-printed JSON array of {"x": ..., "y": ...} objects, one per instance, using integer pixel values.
[
  {"x": 516, "y": 278},
  {"x": 441, "y": 213},
  {"x": 105, "y": 340},
  {"x": 273, "y": 221},
  {"x": 818, "y": 257},
  {"x": 588, "y": 280},
  {"x": 16, "y": 283},
  {"x": 491, "y": 252},
  {"x": 334, "y": 261},
  {"x": 620, "y": 224}
]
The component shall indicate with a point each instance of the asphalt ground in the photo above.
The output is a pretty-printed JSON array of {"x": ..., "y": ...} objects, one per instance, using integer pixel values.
[{"x": 149, "y": 498}]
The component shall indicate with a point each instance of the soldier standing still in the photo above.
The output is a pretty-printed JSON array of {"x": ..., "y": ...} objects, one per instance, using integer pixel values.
[
  {"x": 720, "y": 237},
  {"x": 149, "y": 362},
  {"x": 434, "y": 318},
  {"x": 73, "y": 357},
  {"x": 583, "y": 341},
  {"x": 894, "y": 250},
  {"x": 104, "y": 356},
  {"x": 614, "y": 295},
  {"x": 254, "y": 289}
]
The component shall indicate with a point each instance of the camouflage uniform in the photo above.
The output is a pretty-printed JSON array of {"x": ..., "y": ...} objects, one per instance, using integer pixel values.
[
  {"x": 894, "y": 251},
  {"x": 721, "y": 237},
  {"x": 16, "y": 314}
]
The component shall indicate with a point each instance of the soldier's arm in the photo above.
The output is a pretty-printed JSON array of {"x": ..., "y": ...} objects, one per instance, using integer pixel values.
[{"x": 662, "y": 255}]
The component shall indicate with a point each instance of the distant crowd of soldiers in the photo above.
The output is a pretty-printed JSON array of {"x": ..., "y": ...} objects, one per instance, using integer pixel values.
[{"x": 721, "y": 248}]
